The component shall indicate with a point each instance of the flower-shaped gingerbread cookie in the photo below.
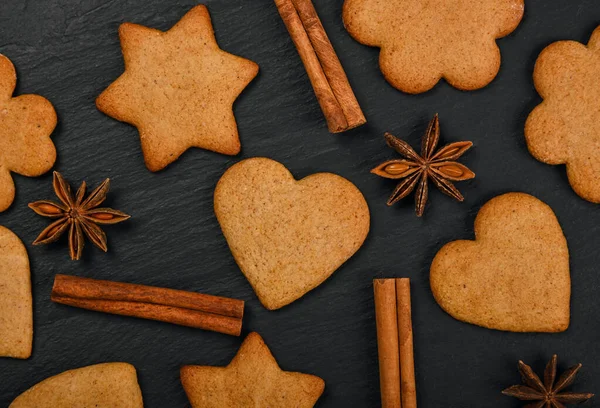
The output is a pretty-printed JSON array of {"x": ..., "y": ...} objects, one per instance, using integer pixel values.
[
  {"x": 26, "y": 123},
  {"x": 565, "y": 127},
  {"x": 423, "y": 41}
]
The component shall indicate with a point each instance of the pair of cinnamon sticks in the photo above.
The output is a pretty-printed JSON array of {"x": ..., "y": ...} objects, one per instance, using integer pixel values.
[
  {"x": 180, "y": 307},
  {"x": 395, "y": 343},
  {"x": 329, "y": 81}
]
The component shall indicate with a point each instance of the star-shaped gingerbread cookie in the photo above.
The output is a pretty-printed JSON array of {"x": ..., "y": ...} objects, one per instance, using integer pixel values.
[
  {"x": 252, "y": 379},
  {"x": 178, "y": 89},
  {"x": 26, "y": 123}
]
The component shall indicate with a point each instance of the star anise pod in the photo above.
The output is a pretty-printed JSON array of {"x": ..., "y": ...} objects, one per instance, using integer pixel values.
[
  {"x": 415, "y": 170},
  {"x": 80, "y": 216},
  {"x": 547, "y": 393}
]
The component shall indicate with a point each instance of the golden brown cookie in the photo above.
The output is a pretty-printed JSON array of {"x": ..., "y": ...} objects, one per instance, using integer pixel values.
[
  {"x": 178, "y": 89},
  {"x": 514, "y": 276},
  {"x": 424, "y": 41},
  {"x": 26, "y": 122},
  {"x": 288, "y": 236},
  {"x": 252, "y": 379},
  {"x": 108, "y": 385},
  {"x": 565, "y": 127},
  {"x": 16, "y": 314}
]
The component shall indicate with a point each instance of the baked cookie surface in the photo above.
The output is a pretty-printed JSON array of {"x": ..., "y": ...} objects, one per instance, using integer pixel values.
[
  {"x": 424, "y": 41},
  {"x": 26, "y": 123},
  {"x": 514, "y": 276},
  {"x": 106, "y": 385},
  {"x": 565, "y": 127},
  {"x": 287, "y": 235},
  {"x": 16, "y": 305},
  {"x": 178, "y": 89},
  {"x": 253, "y": 379}
]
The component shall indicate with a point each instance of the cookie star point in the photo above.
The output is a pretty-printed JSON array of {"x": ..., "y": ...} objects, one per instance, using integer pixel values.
[
  {"x": 178, "y": 89},
  {"x": 198, "y": 15},
  {"x": 253, "y": 378}
]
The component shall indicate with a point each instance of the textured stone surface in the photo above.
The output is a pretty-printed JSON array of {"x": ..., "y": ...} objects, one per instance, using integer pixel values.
[{"x": 68, "y": 52}]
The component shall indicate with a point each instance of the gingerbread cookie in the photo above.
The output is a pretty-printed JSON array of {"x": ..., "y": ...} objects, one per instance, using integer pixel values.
[
  {"x": 514, "y": 276},
  {"x": 565, "y": 127},
  {"x": 252, "y": 379},
  {"x": 424, "y": 41},
  {"x": 26, "y": 123},
  {"x": 16, "y": 314},
  {"x": 288, "y": 236},
  {"x": 178, "y": 89},
  {"x": 107, "y": 385}
]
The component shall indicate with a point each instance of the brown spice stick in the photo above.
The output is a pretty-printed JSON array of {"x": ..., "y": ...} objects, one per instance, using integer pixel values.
[
  {"x": 167, "y": 305},
  {"x": 336, "y": 120},
  {"x": 330, "y": 62},
  {"x": 387, "y": 342},
  {"x": 405, "y": 334},
  {"x": 86, "y": 288},
  {"x": 168, "y": 314}
]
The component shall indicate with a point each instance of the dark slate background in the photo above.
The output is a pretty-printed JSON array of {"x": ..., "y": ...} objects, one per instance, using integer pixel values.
[{"x": 68, "y": 51}]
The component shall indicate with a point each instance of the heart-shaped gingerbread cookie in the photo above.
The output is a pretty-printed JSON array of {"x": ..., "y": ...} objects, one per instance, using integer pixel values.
[
  {"x": 514, "y": 276},
  {"x": 16, "y": 314},
  {"x": 288, "y": 235}
]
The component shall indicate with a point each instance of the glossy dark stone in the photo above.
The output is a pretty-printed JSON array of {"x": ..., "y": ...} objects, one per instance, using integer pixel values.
[{"x": 68, "y": 51}]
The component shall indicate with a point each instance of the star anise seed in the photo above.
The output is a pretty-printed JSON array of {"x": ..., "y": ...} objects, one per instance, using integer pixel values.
[
  {"x": 415, "y": 170},
  {"x": 547, "y": 393},
  {"x": 77, "y": 215}
]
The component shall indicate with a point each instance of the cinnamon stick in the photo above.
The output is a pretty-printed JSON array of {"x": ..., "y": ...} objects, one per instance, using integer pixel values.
[
  {"x": 190, "y": 309},
  {"x": 330, "y": 62},
  {"x": 331, "y": 86},
  {"x": 387, "y": 342},
  {"x": 405, "y": 335},
  {"x": 87, "y": 288}
]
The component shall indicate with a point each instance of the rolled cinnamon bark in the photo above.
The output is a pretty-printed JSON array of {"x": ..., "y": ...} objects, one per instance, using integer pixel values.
[
  {"x": 86, "y": 288},
  {"x": 162, "y": 313},
  {"x": 405, "y": 335},
  {"x": 387, "y": 342},
  {"x": 330, "y": 62},
  {"x": 336, "y": 120},
  {"x": 190, "y": 309}
]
